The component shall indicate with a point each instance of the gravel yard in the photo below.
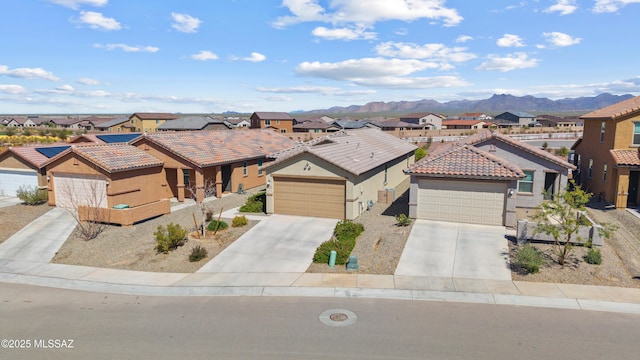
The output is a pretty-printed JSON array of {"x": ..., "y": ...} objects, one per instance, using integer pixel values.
[{"x": 13, "y": 218}]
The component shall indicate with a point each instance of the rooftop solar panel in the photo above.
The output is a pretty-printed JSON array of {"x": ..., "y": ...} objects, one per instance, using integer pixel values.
[
  {"x": 117, "y": 138},
  {"x": 52, "y": 151}
]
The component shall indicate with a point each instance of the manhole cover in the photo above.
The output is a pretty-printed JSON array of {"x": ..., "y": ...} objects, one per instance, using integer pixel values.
[{"x": 338, "y": 317}]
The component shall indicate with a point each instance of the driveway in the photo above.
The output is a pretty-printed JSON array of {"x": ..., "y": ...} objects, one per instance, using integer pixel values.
[
  {"x": 277, "y": 244},
  {"x": 446, "y": 249}
]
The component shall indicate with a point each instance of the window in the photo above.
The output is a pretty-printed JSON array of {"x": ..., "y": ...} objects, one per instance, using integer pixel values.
[
  {"x": 245, "y": 171},
  {"x": 260, "y": 167},
  {"x": 526, "y": 185},
  {"x": 604, "y": 172},
  {"x": 157, "y": 121},
  {"x": 185, "y": 174},
  {"x": 636, "y": 133},
  {"x": 590, "y": 173},
  {"x": 267, "y": 123},
  {"x": 277, "y": 122},
  {"x": 283, "y": 130},
  {"x": 603, "y": 125}
]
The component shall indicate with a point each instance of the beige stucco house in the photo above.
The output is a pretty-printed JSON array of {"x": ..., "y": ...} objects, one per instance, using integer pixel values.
[{"x": 337, "y": 176}]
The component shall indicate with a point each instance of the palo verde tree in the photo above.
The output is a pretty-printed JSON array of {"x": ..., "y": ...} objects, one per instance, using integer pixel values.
[{"x": 562, "y": 217}]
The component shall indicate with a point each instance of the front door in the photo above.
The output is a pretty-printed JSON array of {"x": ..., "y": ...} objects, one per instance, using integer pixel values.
[
  {"x": 226, "y": 178},
  {"x": 550, "y": 185},
  {"x": 632, "y": 199}
]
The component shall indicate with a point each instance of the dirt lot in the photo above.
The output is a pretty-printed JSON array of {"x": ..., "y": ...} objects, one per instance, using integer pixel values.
[{"x": 13, "y": 218}]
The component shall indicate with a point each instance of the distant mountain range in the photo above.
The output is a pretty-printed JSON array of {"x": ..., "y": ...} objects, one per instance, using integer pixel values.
[{"x": 494, "y": 104}]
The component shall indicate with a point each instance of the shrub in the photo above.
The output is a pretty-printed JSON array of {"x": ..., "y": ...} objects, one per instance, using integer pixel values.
[
  {"x": 345, "y": 234},
  {"x": 420, "y": 153},
  {"x": 31, "y": 195},
  {"x": 238, "y": 221},
  {"x": 529, "y": 259},
  {"x": 403, "y": 220},
  {"x": 255, "y": 203},
  {"x": 10, "y": 131},
  {"x": 221, "y": 225},
  {"x": 170, "y": 237},
  {"x": 593, "y": 256},
  {"x": 198, "y": 253}
]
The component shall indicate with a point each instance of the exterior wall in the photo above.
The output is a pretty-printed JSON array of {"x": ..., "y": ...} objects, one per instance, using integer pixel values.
[
  {"x": 434, "y": 120},
  {"x": 527, "y": 161},
  {"x": 10, "y": 161},
  {"x": 144, "y": 125},
  {"x": 592, "y": 148},
  {"x": 359, "y": 190},
  {"x": 258, "y": 123}
]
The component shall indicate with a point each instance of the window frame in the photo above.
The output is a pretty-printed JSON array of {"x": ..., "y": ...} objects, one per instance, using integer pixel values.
[
  {"x": 604, "y": 172},
  {"x": 245, "y": 169},
  {"x": 603, "y": 128},
  {"x": 590, "y": 169},
  {"x": 524, "y": 181},
  {"x": 267, "y": 122},
  {"x": 633, "y": 136},
  {"x": 260, "y": 170}
]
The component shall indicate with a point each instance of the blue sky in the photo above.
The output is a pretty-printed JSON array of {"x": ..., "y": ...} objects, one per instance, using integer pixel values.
[{"x": 204, "y": 56}]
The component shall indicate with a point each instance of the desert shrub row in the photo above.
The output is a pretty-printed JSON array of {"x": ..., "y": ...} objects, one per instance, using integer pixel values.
[{"x": 344, "y": 240}]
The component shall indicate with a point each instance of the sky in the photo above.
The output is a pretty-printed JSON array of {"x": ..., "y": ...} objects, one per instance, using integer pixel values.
[{"x": 213, "y": 56}]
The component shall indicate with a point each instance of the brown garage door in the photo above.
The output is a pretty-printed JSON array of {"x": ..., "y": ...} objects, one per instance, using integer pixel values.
[{"x": 309, "y": 197}]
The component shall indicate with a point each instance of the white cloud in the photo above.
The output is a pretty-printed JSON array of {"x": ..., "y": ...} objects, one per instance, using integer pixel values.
[
  {"x": 204, "y": 55},
  {"x": 277, "y": 98},
  {"x": 185, "y": 23},
  {"x": 605, "y": 6},
  {"x": 12, "y": 89},
  {"x": 367, "y": 12},
  {"x": 88, "y": 81},
  {"x": 510, "y": 40},
  {"x": 96, "y": 20},
  {"x": 74, "y": 4},
  {"x": 300, "y": 90},
  {"x": 436, "y": 52},
  {"x": 255, "y": 57},
  {"x": 463, "y": 38},
  {"x": 415, "y": 83},
  {"x": 564, "y": 7},
  {"x": 561, "y": 39},
  {"x": 127, "y": 48},
  {"x": 343, "y": 33},
  {"x": 66, "y": 88},
  {"x": 510, "y": 62},
  {"x": 28, "y": 73},
  {"x": 362, "y": 68}
]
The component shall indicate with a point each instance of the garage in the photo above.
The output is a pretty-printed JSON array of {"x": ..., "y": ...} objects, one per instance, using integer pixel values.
[
  {"x": 476, "y": 202},
  {"x": 72, "y": 190},
  {"x": 315, "y": 197},
  {"x": 12, "y": 179}
]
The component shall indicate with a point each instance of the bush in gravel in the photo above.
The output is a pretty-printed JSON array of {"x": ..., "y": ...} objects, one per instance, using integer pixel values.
[
  {"x": 403, "y": 220},
  {"x": 594, "y": 256},
  {"x": 170, "y": 237},
  {"x": 198, "y": 253},
  {"x": 31, "y": 195},
  {"x": 221, "y": 225},
  {"x": 238, "y": 221},
  {"x": 529, "y": 259},
  {"x": 345, "y": 234},
  {"x": 255, "y": 203}
]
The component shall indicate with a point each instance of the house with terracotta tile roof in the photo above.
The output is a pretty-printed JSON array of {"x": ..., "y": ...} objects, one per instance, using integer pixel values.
[
  {"x": 315, "y": 125},
  {"x": 475, "y": 173},
  {"x": 24, "y": 165},
  {"x": 607, "y": 154},
  {"x": 336, "y": 176},
  {"x": 148, "y": 122},
  {"x": 187, "y": 123},
  {"x": 278, "y": 121},
  {"x": 112, "y": 183},
  {"x": 465, "y": 124},
  {"x": 226, "y": 160}
]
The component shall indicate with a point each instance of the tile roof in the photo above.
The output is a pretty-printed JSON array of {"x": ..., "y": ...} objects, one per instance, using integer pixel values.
[
  {"x": 453, "y": 122},
  {"x": 314, "y": 124},
  {"x": 191, "y": 123},
  {"x": 265, "y": 115},
  {"x": 630, "y": 106},
  {"x": 114, "y": 157},
  {"x": 110, "y": 123},
  {"x": 28, "y": 154},
  {"x": 207, "y": 148},
  {"x": 356, "y": 151},
  {"x": 154, "y": 116},
  {"x": 466, "y": 161},
  {"x": 625, "y": 157},
  {"x": 394, "y": 123},
  {"x": 419, "y": 115},
  {"x": 351, "y": 124}
]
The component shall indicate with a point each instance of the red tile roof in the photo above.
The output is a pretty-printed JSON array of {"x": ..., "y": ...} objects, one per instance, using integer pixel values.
[
  {"x": 29, "y": 154},
  {"x": 155, "y": 116},
  {"x": 453, "y": 122},
  {"x": 207, "y": 148},
  {"x": 115, "y": 157},
  {"x": 625, "y": 157},
  {"x": 466, "y": 161},
  {"x": 265, "y": 115},
  {"x": 615, "y": 111}
]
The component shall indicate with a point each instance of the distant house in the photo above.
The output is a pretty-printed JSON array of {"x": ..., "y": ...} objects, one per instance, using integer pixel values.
[
  {"x": 279, "y": 121},
  {"x": 556, "y": 121},
  {"x": 113, "y": 125},
  {"x": 516, "y": 118},
  {"x": 397, "y": 126},
  {"x": 148, "y": 122},
  {"x": 475, "y": 116},
  {"x": 238, "y": 122},
  {"x": 195, "y": 123},
  {"x": 464, "y": 124},
  {"x": 429, "y": 120},
  {"x": 67, "y": 123},
  {"x": 20, "y": 122},
  {"x": 24, "y": 165},
  {"x": 315, "y": 126},
  {"x": 92, "y": 122},
  {"x": 354, "y": 124}
]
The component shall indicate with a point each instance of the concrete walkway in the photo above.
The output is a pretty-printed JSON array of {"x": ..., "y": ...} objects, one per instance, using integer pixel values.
[{"x": 23, "y": 260}]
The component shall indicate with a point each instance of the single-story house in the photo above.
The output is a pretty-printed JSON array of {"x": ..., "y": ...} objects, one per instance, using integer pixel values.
[
  {"x": 238, "y": 122},
  {"x": 431, "y": 120},
  {"x": 203, "y": 162},
  {"x": 475, "y": 116},
  {"x": 24, "y": 165},
  {"x": 481, "y": 165},
  {"x": 112, "y": 183},
  {"x": 315, "y": 126},
  {"x": 556, "y": 121},
  {"x": 336, "y": 176},
  {"x": 195, "y": 123},
  {"x": 514, "y": 119},
  {"x": 464, "y": 124},
  {"x": 113, "y": 125}
]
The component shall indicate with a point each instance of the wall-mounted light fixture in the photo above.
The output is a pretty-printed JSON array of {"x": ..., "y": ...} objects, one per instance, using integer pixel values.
[
  {"x": 268, "y": 183},
  {"x": 510, "y": 192}
]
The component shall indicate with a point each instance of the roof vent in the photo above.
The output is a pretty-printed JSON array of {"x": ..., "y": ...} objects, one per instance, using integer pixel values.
[{"x": 372, "y": 154}]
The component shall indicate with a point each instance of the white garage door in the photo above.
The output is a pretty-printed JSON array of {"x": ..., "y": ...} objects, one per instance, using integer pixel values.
[
  {"x": 477, "y": 202},
  {"x": 11, "y": 180},
  {"x": 72, "y": 190}
]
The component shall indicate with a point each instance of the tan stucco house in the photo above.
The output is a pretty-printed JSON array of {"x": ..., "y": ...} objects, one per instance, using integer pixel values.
[
  {"x": 148, "y": 122},
  {"x": 278, "y": 121},
  {"x": 337, "y": 176},
  {"x": 24, "y": 165}
]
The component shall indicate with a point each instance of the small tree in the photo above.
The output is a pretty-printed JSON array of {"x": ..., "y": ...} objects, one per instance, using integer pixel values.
[
  {"x": 208, "y": 190},
  {"x": 562, "y": 216}
]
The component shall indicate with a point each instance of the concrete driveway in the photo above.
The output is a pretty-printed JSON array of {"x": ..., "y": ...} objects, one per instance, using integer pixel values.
[
  {"x": 278, "y": 244},
  {"x": 446, "y": 249}
]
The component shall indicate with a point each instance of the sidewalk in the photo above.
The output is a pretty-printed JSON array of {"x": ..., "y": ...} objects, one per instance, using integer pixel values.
[{"x": 24, "y": 259}]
